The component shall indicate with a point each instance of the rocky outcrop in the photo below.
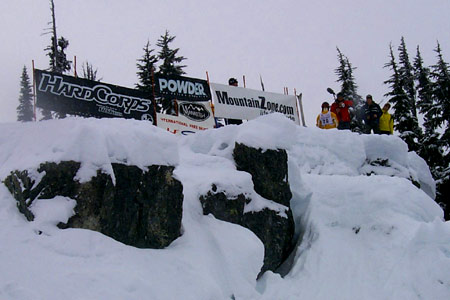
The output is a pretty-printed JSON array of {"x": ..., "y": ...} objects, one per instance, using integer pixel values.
[
  {"x": 270, "y": 178},
  {"x": 142, "y": 208}
]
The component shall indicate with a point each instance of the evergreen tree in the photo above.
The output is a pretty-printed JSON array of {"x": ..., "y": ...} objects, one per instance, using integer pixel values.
[
  {"x": 430, "y": 148},
  {"x": 170, "y": 65},
  {"x": 146, "y": 69},
  {"x": 441, "y": 93},
  {"x": 89, "y": 72},
  {"x": 170, "y": 61},
  {"x": 406, "y": 74},
  {"x": 25, "y": 108},
  {"x": 58, "y": 59},
  {"x": 349, "y": 89},
  {"x": 399, "y": 100}
]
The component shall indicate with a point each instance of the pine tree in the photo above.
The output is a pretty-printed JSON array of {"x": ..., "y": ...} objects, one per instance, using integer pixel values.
[
  {"x": 441, "y": 93},
  {"x": 349, "y": 89},
  {"x": 89, "y": 72},
  {"x": 146, "y": 69},
  {"x": 58, "y": 59},
  {"x": 170, "y": 66},
  {"x": 25, "y": 108},
  {"x": 430, "y": 148},
  {"x": 399, "y": 100},
  {"x": 170, "y": 61},
  {"x": 406, "y": 77}
]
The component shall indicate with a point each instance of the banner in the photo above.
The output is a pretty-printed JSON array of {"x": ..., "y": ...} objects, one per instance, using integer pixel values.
[
  {"x": 185, "y": 102},
  {"x": 79, "y": 96},
  {"x": 245, "y": 104},
  {"x": 192, "y": 117},
  {"x": 182, "y": 88}
]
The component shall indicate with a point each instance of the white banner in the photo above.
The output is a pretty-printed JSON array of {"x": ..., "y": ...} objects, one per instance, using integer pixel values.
[
  {"x": 192, "y": 117},
  {"x": 245, "y": 104}
]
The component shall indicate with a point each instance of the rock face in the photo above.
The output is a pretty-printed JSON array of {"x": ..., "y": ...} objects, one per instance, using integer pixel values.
[
  {"x": 269, "y": 175},
  {"x": 142, "y": 209}
]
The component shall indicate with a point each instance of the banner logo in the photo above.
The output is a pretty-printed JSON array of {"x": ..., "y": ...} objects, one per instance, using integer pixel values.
[
  {"x": 194, "y": 111},
  {"x": 101, "y": 94},
  {"x": 181, "y": 87}
]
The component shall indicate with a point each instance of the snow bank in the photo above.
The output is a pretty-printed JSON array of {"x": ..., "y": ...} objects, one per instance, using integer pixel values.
[{"x": 361, "y": 237}]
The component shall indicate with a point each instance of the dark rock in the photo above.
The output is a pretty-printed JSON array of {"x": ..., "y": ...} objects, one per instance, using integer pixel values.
[
  {"x": 142, "y": 209},
  {"x": 269, "y": 175},
  {"x": 269, "y": 171},
  {"x": 275, "y": 231}
]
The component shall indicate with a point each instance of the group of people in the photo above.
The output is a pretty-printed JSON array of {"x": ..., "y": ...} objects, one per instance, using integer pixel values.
[{"x": 340, "y": 115}]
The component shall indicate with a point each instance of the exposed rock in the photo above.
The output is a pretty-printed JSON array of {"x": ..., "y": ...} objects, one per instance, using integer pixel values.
[
  {"x": 269, "y": 175},
  {"x": 143, "y": 208},
  {"x": 269, "y": 171}
]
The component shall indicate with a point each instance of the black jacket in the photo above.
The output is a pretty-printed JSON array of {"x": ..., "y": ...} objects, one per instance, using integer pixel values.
[{"x": 372, "y": 113}]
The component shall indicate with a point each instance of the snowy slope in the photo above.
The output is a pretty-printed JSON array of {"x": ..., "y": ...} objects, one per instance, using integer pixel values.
[{"x": 361, "y": 237}]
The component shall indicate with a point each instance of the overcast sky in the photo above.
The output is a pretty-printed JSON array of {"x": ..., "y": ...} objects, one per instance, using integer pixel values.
[{"x": 289, "y": 42}]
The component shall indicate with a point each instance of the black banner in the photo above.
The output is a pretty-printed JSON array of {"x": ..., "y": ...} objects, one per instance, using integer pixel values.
[
  {"x": 182, "y": 88},
  {"x": 78, "y": 96}
]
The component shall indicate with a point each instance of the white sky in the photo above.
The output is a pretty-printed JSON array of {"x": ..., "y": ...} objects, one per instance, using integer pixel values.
[{"x": 290, "y": 43}]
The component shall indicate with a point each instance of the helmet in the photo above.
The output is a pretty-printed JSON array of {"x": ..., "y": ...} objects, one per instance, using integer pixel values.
[
  {"x": 340, "y": 94},
  {"x": 232, "y": 81},
  {"x": 325, "y": 104},
  {"x": 369, "y": 96}
]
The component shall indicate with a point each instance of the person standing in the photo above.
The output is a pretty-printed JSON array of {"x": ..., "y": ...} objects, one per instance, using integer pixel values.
[
  {"x": 233, "y": 82},
  {"x": 372, "y": 113},
  {"x": 341, "y": 108},
  {"x": 327, "y": 119},
  {"x": 386, "y": 121}
]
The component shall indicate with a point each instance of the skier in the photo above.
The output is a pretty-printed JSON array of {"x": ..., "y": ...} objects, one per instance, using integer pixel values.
[
  {"x": 341, "y": 108},
  {"x": 326, "y": 119},
  {"x": 372, "y": 114},
  {"x": 386, "y": 121}
]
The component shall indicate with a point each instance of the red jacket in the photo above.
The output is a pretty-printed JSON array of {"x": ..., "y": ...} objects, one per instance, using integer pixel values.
[{"x": 341, "y": 110}]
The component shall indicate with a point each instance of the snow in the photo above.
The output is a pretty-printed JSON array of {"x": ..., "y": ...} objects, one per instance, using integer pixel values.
[{"x": 359, "y": 236}]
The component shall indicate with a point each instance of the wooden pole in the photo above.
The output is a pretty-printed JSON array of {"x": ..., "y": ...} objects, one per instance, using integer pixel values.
[
  {"x": 75, "y": 66},
  {"x": 300, "y": 101},
  {"x": 34, "y": 92},
  {"x": 154, "y": 98}
]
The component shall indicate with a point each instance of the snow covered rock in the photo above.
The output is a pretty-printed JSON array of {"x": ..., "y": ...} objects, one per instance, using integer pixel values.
[
  {"x": 274, "y": 227},
  {"x": 142, "y": 208}
]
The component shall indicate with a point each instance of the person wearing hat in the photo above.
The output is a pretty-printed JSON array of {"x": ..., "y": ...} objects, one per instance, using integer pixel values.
[
  {"x": 327, "y": 119},
  {"x": 341, "y": 108},
  {"x": 233, "y": 82},
  {"x": 372, "y": 113},
  {"x": 386, "y": 121}
]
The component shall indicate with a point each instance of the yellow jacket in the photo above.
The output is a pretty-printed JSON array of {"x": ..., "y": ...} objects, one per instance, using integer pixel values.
[
  {"x": 327, "y": 120},
  {"x": 387, "y": 122}
]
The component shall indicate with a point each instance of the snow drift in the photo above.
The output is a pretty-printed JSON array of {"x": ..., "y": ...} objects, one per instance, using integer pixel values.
[{"x": 364, "y": 228}]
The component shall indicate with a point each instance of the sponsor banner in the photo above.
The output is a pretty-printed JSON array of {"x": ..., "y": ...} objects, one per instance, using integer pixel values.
[
  {"x": 182, "y": 88},
  {"x": 241, "y": 103},
  {"x": 79, "y": 96},
  {"x": 192, "y": 117}
]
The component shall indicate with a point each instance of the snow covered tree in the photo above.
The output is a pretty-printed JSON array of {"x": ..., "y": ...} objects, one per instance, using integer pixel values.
[
  {"x": 146, "y": 68},
  {"x": 25, "y": 108},
  {"x": 170, "y": 61},
  {"x": 89, "y": 72},
  {"x": 406, "y": 76},
  {"x": 400, "y": 102},
  {"x": 349, "y": 89},
  {"x": 430, "y": 148},
  {"x": 441, "y": 92}
]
